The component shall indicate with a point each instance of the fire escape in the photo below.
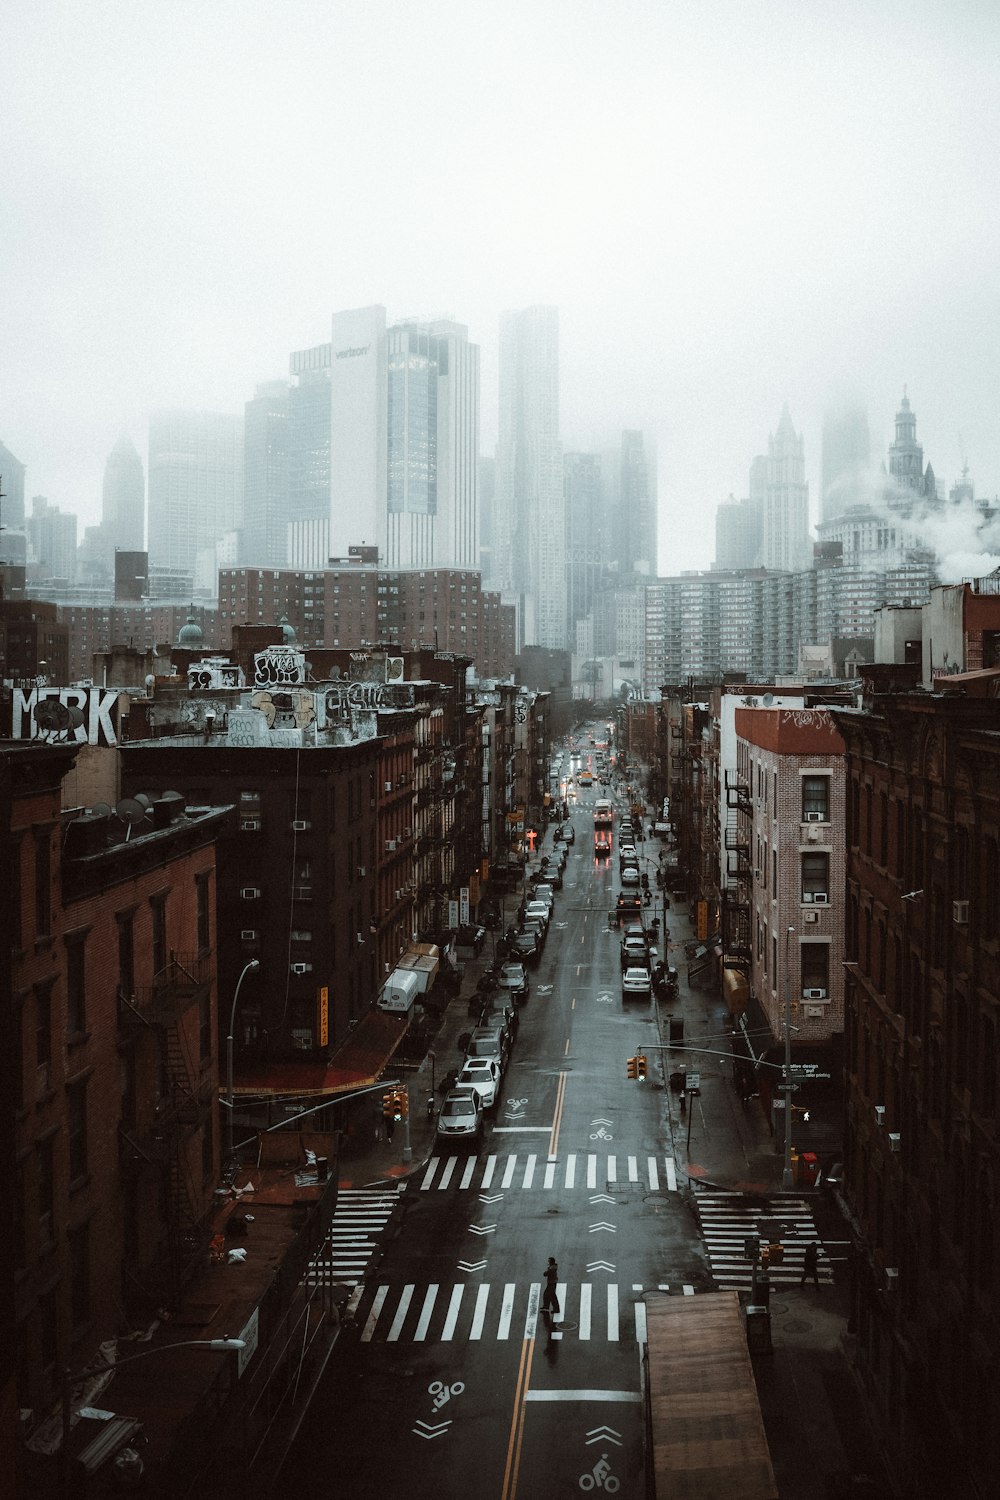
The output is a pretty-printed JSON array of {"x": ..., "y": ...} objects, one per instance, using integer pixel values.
[
  {"x": 736, "y": 928},
  {"x": 164, "y": 1143}
]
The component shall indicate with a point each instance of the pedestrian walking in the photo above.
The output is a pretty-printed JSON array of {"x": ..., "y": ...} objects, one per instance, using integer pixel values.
[
  {"x": 810, "y": 1265},
  {"x": 550, "y": 1299}
]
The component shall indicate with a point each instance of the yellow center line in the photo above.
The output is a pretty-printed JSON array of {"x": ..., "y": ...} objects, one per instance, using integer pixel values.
[
  {"x": 566, "y": 1048},
  {"x": 516, "y": 1423},
  {"x": 557, "y": 1117},
  {"x": 520, "y": 1414}
]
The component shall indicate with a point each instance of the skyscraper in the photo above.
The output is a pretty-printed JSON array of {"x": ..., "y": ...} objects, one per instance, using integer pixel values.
[
  {"x": 12, "y": 504},
  {"x": 124, "y": 498},
  {"x": 846, "y": 459},
  {"x": 529, "y": 535},
  {"x": 584, "y": 532},
  {"x": 633, "y": 535},
  {"x": 193, "y": 499},
  {"x": 785, "y": 499},
  {"x": 309, "y": 435},
  {"x": 910, "y": 480},
  {"x": 264, "y": 534},
  {"x": 404, "y": 440},
  {"x": 737, "y": 535}
]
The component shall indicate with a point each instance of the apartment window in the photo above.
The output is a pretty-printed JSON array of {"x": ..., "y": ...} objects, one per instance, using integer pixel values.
[
  {"x": 43, "y": 886},
  {"x": 126, "y": 956},
  {"x": 76, "y": 1128},
  {"x": 815, "y": 962},
  {"x": 250, "y": 811},
  {"x": 76, "y": 987},
  {"x": 79, "y": 1275},
  {"x": 883, "y": 829},
  {"x": 46, "y": 1189},
  {"x": 158, "y": 908},
  {"x": 43, "y": 1025},
  {"x": 203, "y": 911},
  {"x": 48, "y": 1328},
  {"x": 815, "y": 878}
]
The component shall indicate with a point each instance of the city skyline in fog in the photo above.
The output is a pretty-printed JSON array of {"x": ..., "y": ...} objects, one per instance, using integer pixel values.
[{"x": 785, "y": 208}]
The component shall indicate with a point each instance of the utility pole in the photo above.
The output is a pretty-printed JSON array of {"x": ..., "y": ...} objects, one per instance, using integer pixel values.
[{"x": 786, "y": 1175}]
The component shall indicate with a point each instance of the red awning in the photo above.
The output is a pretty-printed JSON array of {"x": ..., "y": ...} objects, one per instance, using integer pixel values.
[{"x": 356, "y": 1064}]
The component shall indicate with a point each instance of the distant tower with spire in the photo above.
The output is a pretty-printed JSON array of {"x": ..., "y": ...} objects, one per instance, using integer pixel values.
[
  {"x": 124, "y": 498},
  {"x": 780, "y": 483},
  {"x": 910, "y": 481}
]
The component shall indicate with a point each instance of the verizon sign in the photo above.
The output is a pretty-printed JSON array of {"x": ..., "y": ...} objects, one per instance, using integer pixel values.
[{"x": 82, "y": 716}]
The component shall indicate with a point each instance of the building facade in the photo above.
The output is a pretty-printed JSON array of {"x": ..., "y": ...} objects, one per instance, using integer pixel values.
[
  {"x": 194, "y": 484},
  {"x": 123, "y": 499}
]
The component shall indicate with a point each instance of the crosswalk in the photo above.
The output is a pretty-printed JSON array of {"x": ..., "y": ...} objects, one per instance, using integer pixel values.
[
  {"x": 536, "y": 1171},
  {"x": 728, "y": 1219},
  {"x": 487, "y": 1312},
  {"x": 359, "y": 1219}
]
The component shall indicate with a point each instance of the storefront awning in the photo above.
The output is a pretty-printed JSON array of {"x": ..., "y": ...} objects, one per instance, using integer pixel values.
[
  {"x": 358, "y": 1063},
  {"x": 736, "y": 991}
]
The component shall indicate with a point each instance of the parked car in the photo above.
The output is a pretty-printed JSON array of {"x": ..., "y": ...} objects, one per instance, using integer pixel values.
[
  {"x": 567, "y": 836},
  {"x": 489, "y": 1042},
  {"x": 634, "y": 953},
  {"x": 461, "y": 1116},
  {"x": 537, "y": 928},
  {"x": 471, "y": 936},
  {"x": 628, "y": 905},
  {"x": 545, "y": 891},
  {"x": 630, "y": 875},
  {"x": 481, "y": 1077},
  {"x": 636, "y": 984},
  {"x": 540, "y": 910},
  {"x": 525, "y": 948},
  {"x": 514, "y": 980},
  {"x": 501, "y": 1012}
]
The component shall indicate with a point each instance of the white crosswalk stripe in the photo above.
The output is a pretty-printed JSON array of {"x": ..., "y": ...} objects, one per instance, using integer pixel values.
[
  {"x": 588, "y": 1310},
  {"x": 728, "y": 1219},
  {"x": 359, "y": 1219},
  {"x": 564, "y": 1174}
]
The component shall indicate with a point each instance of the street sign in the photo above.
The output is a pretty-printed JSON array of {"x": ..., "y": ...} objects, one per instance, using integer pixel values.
[
  {"x": 692, "y": 1081},
  {"x": 806, "y": 1071}
]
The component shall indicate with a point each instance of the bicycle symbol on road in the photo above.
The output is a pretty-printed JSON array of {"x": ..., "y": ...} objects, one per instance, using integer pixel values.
[
  {"x": 515, "y": 1106},
  {"x": 600, "y": 1134},
  {"x": 600, "y": 1477},
  {"x": 443, "y": 1393}
]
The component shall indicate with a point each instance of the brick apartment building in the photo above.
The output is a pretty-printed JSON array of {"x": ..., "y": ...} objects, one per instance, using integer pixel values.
[
  {"x": 922, "y": 1152},
  {"x": 111, "y": 1063}
]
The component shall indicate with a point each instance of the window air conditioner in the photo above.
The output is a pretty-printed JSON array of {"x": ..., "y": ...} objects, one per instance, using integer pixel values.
[
  {"x": 813, "y": 1012},
  {"x": 388, "y": 786},
  {"x": 249, "y": 825},
  {"x": 815, "y": 994},
  {"x": 407, "y": 833},
  {"x": 960, "y": 912},
  {"x": 300, "y": 968},
  {"x": 248, "y": 935},
  {"x": 300, "y": 825},
  {"x": 812, "y": 916},
  {"x": 880, "y": 1114},
  {"x": 390, "y": 845},
  {"x": 815, "y": 817},
  {"x": 891, "y": 1278},
  {"x": 893, "y": 1140},
  {"x": 250, "y": 893},
  {"x": 820, "y": 898},
  {"x": 362, "y": 872}
]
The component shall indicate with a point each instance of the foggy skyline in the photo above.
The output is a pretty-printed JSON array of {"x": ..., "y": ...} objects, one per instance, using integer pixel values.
[{"x": 732, "y": 208}]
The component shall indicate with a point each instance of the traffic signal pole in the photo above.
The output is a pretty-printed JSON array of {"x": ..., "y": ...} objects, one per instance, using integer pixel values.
[{"x": 407, "y": 1148}]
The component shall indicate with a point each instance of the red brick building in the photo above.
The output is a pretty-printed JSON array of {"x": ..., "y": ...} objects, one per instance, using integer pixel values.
[{"x": 110, "y": 1041}]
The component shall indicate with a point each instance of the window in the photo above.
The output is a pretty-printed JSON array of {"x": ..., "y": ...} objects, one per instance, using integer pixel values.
[
  {"x": 126, "y": 956},
  {"x": 201, "y": 886},
  {"x": 816, "y": 798},
  {"x": 76, "y": 1129},
  {"x": 158, "y": 907},
  {"x": 79, "y": 1275},
  {"x": 815, "y": 961},
  {"x": 76, "y": 987},
  {"x": 43, "y": 886},
  {"x": 815, "y": 877},
  {"x": 205, "y": 1027},
  {"x": 43, "y": 1025},
  {"x": 46, "y": 1190}
]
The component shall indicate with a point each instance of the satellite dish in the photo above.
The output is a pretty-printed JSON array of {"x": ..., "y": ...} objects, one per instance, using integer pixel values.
[
  {"x": 143, "y": 801},
  {"x": 131, "y": 811},
  {"x": 101, "y": 810},
  {"x": 767, "y": 700},
  {"x": 49, "y": 714}
]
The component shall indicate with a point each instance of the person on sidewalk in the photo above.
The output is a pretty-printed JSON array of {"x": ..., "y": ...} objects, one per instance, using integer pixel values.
[
  {"x": 550, "y": 1299},
  {"x": 810, "y": 1265}
]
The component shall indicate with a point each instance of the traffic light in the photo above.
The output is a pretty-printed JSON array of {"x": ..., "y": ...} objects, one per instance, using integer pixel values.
[
  {"x": 389, "y": 1105},
  {"x": 641, "y": 1062},
  {"x": 637, "y": 1067},
  {"x": 401, "y": 1101}
]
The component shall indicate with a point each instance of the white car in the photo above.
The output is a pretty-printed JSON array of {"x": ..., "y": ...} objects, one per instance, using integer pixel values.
[
  {"x": 541, "y": 911},
  {"x": 483, "y": 1078},
  {"x": 636, "y": 984}
]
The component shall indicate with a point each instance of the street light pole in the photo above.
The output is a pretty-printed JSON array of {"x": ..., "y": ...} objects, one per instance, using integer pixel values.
[
  {"x": 786, "y": 1173},
  {"x": 249, "y": 968}
]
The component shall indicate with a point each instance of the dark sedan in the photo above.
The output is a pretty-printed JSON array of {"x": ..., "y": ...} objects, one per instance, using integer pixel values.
[{"x": 525, "y": 949}]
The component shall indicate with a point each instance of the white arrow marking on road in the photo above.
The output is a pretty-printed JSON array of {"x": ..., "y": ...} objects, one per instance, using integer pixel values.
[
  {"x": 604, "y": 1434},
  {"x": 600, "y": 1265},
  {"x": 600, "y": 1122},
  {"x": 493, "y": 1197},
  {"x": 471, "y": 1265},
  {"x": 560, "y": 926},
  {"x": 602, "y": 1198},
  {"x": 596, "y": 1228},
  {"x": 481, "y": 1228},
  {"x": 425, "y": 1430}
]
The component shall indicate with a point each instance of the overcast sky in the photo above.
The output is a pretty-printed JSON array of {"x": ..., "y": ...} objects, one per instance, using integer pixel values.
[{"x": 732, "y": 204}]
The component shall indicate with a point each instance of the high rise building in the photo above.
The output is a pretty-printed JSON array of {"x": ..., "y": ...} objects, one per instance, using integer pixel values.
[
  {"x": 846, "y": 459},
  {"x": 737, "y": 535},
  {"x": 404, "y": 437},
  {"x": 194, "y": 465},
  {"x": 124, "y": 498},
  {"x": 264, "y": 540},
  {"x": 785, "y": 499},
  {"x": 633, "y": 534},
  {"x": 529, "y": 534},
  {"x": 309, "y": 435},
  {"x": 12, "y": 485},
  {"x": 911, "y": 482},
  {"x": 52, "y": 538},
  {"x": 584, "y": 531}
]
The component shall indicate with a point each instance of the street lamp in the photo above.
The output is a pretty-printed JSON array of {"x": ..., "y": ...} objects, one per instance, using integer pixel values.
[
  {"x": 251, "y": 967},
  {"x": 109, "y": 1367}
]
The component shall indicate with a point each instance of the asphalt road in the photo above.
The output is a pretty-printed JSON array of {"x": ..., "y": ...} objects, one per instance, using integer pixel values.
[{"x": 452, "y": 1381}]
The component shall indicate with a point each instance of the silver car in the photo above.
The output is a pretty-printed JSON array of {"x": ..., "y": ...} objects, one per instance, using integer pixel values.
[
  {"x": 636, "y": 984},
  {"x": 461, "y": 1117},
  {"x": 483, "y": 1077}
]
